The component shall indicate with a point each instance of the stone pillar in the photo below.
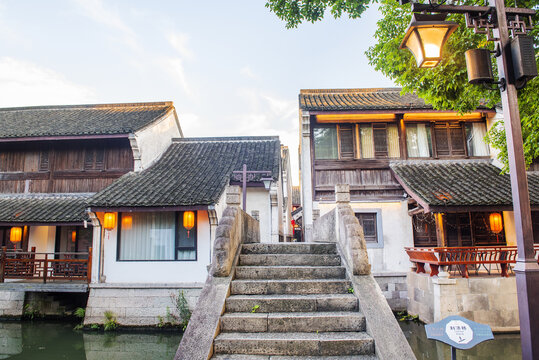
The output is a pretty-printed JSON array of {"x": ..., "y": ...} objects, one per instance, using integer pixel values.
[
  {"x": 274, "y": 220},
  {"x": 306, "y": 176},
  {"x": 214, "y": 221},
  {"x": 233, "y": 196},
  {"x": 342, "y": 194},
  {"x": 97, "y": 248}
]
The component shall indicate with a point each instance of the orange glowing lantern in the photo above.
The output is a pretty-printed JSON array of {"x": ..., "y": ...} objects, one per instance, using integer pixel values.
[
  {"x": 188, "y": 220},
  {"x": 15, "y": 234},
  {"x": 496, "y": 224},
  {"x": 109, "y": 222},
  {"x": 73, "y": 236},
  {"x": 127, "y": 222}
]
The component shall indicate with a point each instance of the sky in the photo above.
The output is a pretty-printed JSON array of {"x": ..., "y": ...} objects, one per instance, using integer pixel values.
[{"x": 230, "y": 67}]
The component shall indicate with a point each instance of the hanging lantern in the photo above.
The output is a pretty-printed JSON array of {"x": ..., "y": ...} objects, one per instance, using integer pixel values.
[
  {"x": 188, "y": 220},
  {"x": 426, "y": 37},
  {"x": 496, "y": 223},
  {"x": 110, "y": 221},
  {"x": 15, "y": 234},
  {"x": 127, "y": 222},
  {"x": 74, "y": 236}
]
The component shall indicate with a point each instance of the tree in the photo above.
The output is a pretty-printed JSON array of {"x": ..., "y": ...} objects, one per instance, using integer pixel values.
[{"x": 445, "y": 87}]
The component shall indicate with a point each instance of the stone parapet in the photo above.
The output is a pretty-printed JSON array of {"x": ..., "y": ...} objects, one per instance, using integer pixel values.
[{"x": 11, "y": 303}]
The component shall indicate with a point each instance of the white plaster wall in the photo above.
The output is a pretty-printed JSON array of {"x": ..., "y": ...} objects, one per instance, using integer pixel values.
[
  {"x": 509, "y": 226},
  {"x": 397, "y": 233},
  {"x": 258, "y": 199},
  {"x": 153, "y": 140},
  {"x": 42, "y": 237},
  {"x": 158, "y": 272}
]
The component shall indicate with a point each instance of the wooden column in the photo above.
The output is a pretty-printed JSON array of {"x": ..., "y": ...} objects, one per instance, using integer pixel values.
[
  {"x": 402, "y": 137},
  {"x": 440, "y": 229}
]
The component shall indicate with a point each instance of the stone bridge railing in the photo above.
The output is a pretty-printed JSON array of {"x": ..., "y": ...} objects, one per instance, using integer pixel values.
[{"x": 235, "y": 228}]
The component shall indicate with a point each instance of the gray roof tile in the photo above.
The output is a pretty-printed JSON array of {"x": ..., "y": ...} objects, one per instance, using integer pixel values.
[
  {"x": 193, "y": 171},
  {"x": 79, "y": 120},
  {"x": 459, "y": 183},
  {"x": 43, "y": 208}
]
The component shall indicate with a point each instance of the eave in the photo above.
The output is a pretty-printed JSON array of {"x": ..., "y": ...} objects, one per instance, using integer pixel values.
[{"x": 64, "y": 137}]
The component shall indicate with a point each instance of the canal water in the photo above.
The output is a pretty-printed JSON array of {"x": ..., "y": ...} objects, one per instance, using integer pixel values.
[
  {"x": 506, "y": 346},
  {"x": 46, "y": 340}
]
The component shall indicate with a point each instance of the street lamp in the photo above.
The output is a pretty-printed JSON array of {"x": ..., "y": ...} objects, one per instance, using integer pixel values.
[
  {"x": 496, "y": 21},
  {"x": 426, "y": 36},
  {"x": 246, "y": 176}
]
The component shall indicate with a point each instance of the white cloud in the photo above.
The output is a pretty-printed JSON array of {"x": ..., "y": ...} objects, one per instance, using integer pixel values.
[
  {"x": 179, "y": 41},
  {"x": 96, "y": 10},
  {"x": 174, "y": 66},
  {"x": 248, "y": 72},
  {"x": 25, "y": 83}
]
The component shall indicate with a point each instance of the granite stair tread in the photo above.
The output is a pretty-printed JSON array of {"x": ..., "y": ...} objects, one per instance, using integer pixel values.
[{"x": 278, "y": 357}]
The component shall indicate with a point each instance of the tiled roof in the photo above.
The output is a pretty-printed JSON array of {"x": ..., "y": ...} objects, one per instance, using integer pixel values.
[
  {"x": 193, "y": 171},
  {"x": 441, "y": 183},
  {"x": 43, "y": 208},
  {"x": 296, "y": 195},
  {"x": 79, "y": 120},
  {"x": 359, "y": 99}
]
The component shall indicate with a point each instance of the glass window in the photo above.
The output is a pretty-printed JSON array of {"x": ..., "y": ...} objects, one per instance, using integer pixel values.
[
  {"x": 367, "y": 144},
  {"x": 346, "y": 138},
  {"x": 187, "y": 240},
  {"x": 418, "y": 140},
  {"x": 393, "y": 148},
  {"x": 475, "y": 139},
  {"x": 147, "y": 236},
  {"x": 449, "y": 139},
  {"x": 379, "y": 140},
  {"x": 368, "y": 222},
  {"x": 5, "y": 232},
  {"x": 325, "y": 142}
]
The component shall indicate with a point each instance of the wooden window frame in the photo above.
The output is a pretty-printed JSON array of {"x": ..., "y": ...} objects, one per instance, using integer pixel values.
[
  {"x": 177, "y": 216},
  {"x": 377, "y": 212}
]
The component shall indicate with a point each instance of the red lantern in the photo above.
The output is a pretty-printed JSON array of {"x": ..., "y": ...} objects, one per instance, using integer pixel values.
[
  {"x": 496, "y": 223},
  {"x": 293, "y": 222},
  {"x": 188, "y": 221},
  {"x": 127, "y": 222},
  {"x": 73, "y": 236},
  {"x": 15, "y": 234},
  {"x": 109, "y": 222}
]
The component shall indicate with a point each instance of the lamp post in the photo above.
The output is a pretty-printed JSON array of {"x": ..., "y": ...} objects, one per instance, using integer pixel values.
[
  {"x": 493, "y": 21},
  {"x": 249, "y": 176}
]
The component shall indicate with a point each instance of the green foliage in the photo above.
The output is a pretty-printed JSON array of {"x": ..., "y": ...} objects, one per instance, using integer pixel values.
[
  {"x": 80, "y": 312},
  {"x": 181, "y": 314},
  {"x": 79, "y": 327},
  {"x": 111, "y": 323},
  {"x": 255, "y": 308},
  {"x": 350, "y": 290},
  {"x": 445, "y": 87},
  {"x": 294, "y": 12},
  {"x": 94, "y": 326},
  {"x": 31, "y": 312},
  {"x": 404, "y": 316}
]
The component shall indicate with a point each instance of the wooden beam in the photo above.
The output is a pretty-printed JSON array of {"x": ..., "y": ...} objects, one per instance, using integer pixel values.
[
  {"x": 442, "y": 116},
  {"x": 343, "y": 118}
]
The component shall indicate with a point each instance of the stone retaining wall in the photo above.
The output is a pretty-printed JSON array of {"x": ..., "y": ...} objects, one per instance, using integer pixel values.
[
  {"x": 394, "y": 288},
  {"x": 488, "y": 300},
  {"x": 137, "y": 305},
  {"x": 11, "y": 303}
]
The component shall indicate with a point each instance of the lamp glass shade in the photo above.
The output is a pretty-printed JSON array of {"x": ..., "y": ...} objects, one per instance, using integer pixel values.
[
  {"x": 267, "y": 183},
  {"x": 188, "y": 220},
  {"x": 109, "y": 222},
  {"x": 496, "y": 223},
  {"x": 127, "y": 222},
  {"x": 73, "y": 236},
  {"x": 426, "y": 37},
  {"x": 15, "y": 234}
]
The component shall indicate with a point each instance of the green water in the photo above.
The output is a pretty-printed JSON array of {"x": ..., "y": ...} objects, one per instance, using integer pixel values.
[
  {"x": 45, "y": 340},
  {"x": 505, "y": 346}
]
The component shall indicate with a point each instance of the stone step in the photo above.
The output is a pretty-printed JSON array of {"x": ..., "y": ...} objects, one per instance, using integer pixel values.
[
  {"x": 290, "y": 272},
  {"x": 266, "y": 357},
  {"x": 293, "y": 322},
  {"x": 297, "y": 343},
  {"x": 289, "y": 260},
  {"x": 269, "y": 287},
  {"x": 290, "y": 248},
  {"x": 291, "y": 303}
]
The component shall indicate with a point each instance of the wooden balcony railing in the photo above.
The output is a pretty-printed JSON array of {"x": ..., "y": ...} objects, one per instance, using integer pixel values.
[
  {"x": 463, "y": 259},
  {"x": 45, "y": 266}
]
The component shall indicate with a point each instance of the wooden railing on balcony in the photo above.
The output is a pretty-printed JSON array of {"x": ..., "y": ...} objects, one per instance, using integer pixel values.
[
  {"x": 32, "y": 265},
  {"x": 464, "y": 259}
]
